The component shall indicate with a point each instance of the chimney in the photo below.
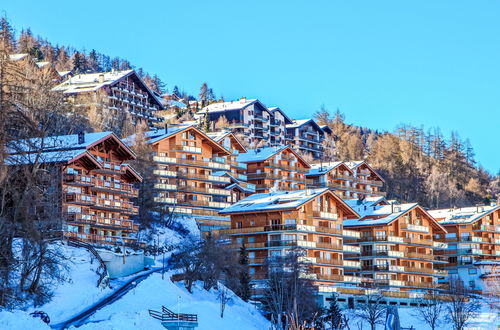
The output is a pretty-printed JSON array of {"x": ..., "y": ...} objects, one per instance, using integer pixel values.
[
  {"x": 101, "y": 78},
  {"x": 166, "y": 128},
  {"x": 81, "y": 138},
  {"x": 392, "y": 207}
]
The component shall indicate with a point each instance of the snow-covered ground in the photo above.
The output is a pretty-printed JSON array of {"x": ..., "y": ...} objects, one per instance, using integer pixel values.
[{"x": 131, "y": 311}]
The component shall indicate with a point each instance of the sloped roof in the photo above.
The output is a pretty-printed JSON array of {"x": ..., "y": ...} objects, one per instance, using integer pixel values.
[
  {"x": 274, "y": 201},
  {"x": 231, "y": 105},
  {"x": 359, "y": 205},
  {"x": 323, "y": 168},
  {"x": 90, "y": 82},
  {"x": 156, "y": 135},
  {"x": 274, "y": 109},
  {"x": 385, "y": 214},
  {"x": 262, "y": 154},
  {"x": 219, "y": 136},
  {"x": 62, "y": 148},
  {"x": 462, "y": 215},
  {"x": 301, "y": 122},
  {"x": 355, "y": 164}
]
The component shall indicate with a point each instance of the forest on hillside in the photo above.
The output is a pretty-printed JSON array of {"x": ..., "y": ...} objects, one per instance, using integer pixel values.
[{"x": 418, "y": 165}]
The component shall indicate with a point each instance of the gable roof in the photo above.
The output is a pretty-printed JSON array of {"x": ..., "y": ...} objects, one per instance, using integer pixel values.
[
  {"x": 262, "y": 154},
  {"x": 61, "y": 149},
  {"x": 277, "y": 109},
  {"x": 302, "y": 122},
  {"x": 219, "y": 136},
  {"x": 91, "y": 82},
  {"x": 282, "y": 200},
  {"x": 323, "y": 168},
  {"x": 231, "y": 105},
  {"x": 385, "y": 214},
  {"x": 462, "y": 215},
  {"x": 355, "y": 164},
  {"x": 157, "y": 135},
  {"x": 326, "y": 129}
]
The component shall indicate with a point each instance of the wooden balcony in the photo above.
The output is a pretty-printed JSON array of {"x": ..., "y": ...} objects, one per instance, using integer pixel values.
[
  {"x": 80, "y": 199},
  {"x": 78, "y": 180}
]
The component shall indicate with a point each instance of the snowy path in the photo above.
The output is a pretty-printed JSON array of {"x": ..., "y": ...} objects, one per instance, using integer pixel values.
[{"x": 79, "y": 319}]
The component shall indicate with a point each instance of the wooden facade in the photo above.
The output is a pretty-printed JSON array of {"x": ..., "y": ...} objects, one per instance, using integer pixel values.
[
  {"x": 398, "y": 247},
  {"x": 473, "y": 236},
  {"x": 346, "y": 180},
  {"x": 313, "y": 223},
  {"x": 187, "y": 161},
  {"x": 275, "y": 169}
]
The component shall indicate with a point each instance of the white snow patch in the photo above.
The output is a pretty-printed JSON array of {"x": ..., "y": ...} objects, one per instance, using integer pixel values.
[
  {"x": 131, "y": 311},
  {"x": 20, "y": 320}
]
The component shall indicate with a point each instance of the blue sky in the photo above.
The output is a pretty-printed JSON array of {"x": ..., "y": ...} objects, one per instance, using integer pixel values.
[{"x": 383, "y": 63}]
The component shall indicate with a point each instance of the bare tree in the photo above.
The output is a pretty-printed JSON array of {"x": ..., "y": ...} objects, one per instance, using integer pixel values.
[
  {"x": 463, "y": 306},
  {"x": 289, "y": 294},
  {"x": 372, "y": 310},
  {"x": 430, "y": 310},
  {"x": 224, "y": 297}
]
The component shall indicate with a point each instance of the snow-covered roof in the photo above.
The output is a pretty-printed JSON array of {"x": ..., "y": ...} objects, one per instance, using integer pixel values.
[
  {"x": 358, "y": 204},
  {"x": 323, "y": 168},
  {"x": 162, "y": 133},
  {"x": 327, "y": 129},
  {"x": 260, "y": 154},
  {"x": 231, "y": 105},
  {"x": 354, "y": 164},
  {"x": 218, "y": 136},
  {"x": 462, "y": 215},
  {"x": 91, "y": 82},
  {"x": 301, "y": 122},
  {"x": 386, "y": 214},
  {"x": 42, "y": 64},
  {"x": 273, "y": 201},
  {"x": 57, "y": 143},
  {"x": 61, "y": 156},
  {"x": 17, "y": 57}
]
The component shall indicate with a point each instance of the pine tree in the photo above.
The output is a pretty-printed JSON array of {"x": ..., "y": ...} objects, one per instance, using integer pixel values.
[
  {"x": 245, "y": 286},
  {"x": 78, "y": 62},
  {"x": 93, "y": 62},
  {"x": 206, "y": 123},
  {"x": 333, "y": 314},
  {"x": 203, "y": 95},
  {"x": 176, "y": 91}
]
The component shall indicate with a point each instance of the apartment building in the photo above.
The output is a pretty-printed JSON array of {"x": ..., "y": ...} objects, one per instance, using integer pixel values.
[
  {"x": 275, "y": 169},
  {"x": 306, "y": 136},
  {"x": 277, "y": 126},
  {"x": 118, "y": 91},
  {"x": 347, "y": 179},
  {"x": 270, "y": 225},
  {"x": 250, "y": 118},
  {"x": 188, "y": 166},
  {"x": 95, "y": 181},
  {"x": 473, "y": 237},
  {"x": 398, "y": 245},
  {"x": 238, "y": 184}
]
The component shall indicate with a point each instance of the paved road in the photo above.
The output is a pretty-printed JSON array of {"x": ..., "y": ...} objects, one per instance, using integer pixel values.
[{"x": 80, "y": 318}]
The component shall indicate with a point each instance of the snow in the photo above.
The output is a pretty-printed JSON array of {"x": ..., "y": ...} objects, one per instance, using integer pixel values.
[
  {"x": 274, "y": 201},
  {"x": 131, "y": 311},
  {"x": 80, "y": 291},
  {"x": 388, "y": 211},
  {"x": 259, "y": 154},
  {"x": 320, "y": 169},
  {"x": 90, "y": 82},
  {"x": 20, "y": 320},
  {"x": 228, "y": 106},
  {"x": 462, "y": 215},
  {"x": 301, "y": 122}
]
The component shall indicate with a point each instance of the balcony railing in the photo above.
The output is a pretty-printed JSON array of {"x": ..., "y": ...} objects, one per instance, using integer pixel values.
[
  {"x": 78, "y": 179},
  {"x": 411, "y": 227},
  {"x": 188, "y": 149}
]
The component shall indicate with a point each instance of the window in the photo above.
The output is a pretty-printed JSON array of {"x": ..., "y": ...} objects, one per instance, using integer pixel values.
[
  {"x": 239, "y": 224},
  {"x": 239, "y": 240},
  {"x": 251, "y": 239},
  {"x": 472, "y": 270}
]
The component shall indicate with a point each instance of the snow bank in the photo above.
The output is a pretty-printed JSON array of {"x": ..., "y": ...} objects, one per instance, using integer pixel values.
[
  {"x": 80, "y": 290},
  {"x": 131, "y": 311},
  {"x": 20, "y": 320}
]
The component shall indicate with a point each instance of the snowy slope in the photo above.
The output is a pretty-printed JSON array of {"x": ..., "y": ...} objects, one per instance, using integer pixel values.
[
  {"x": 80, "y": 290},
  {"x": 20, "y": 320},
  {"x": 131, "y": 311}
]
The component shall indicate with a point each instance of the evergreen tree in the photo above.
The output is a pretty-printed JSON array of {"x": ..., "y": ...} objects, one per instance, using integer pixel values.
[
  {"x": 7, "y": 35},
  {"x": 206, "y": 123},
  {"x": 93, "y": 62},
  {"x": 203, "y": 95},
  {"x": 78, "y": 62},
  {"x": 333, "y": 314},
  {"x": 176, "y": 91},
  {"x": 245, "y": 286}
]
